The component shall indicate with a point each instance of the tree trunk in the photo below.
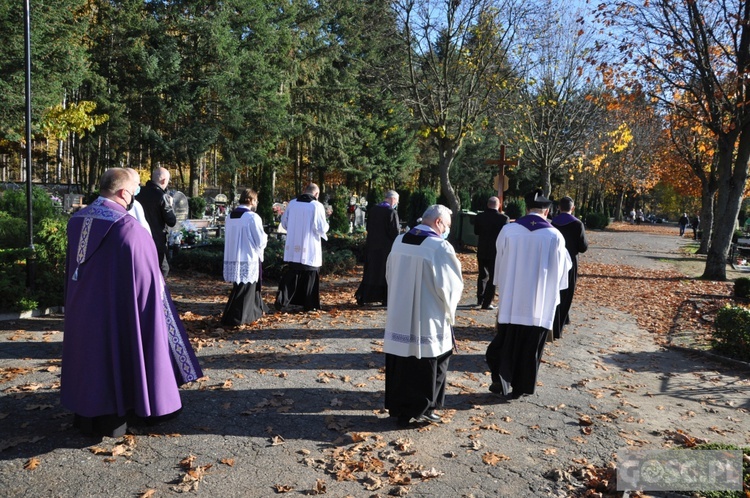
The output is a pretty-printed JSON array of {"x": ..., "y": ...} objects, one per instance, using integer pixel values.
[
  {"x": 708, "y": 194},
  {"x": 447, "y": 150},
  {"x": 620, "y": 201},
  {"x": 732, "y": 178},
  {"x": 194, "y": 189}
]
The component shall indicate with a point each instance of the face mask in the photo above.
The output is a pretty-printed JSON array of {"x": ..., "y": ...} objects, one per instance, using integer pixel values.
[
  {"x": 130, "y": 204},
  {"x": 445, "y": 234},
  {"x": 137, "y": 190}
]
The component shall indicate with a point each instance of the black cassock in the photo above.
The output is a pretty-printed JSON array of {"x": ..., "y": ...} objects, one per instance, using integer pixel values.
[
  {"x": 575, "y": 242},
  {"x": 382, "y": 229}
]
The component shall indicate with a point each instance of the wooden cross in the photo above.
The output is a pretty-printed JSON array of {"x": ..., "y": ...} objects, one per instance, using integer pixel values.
[{"x": 501, "y": 163}]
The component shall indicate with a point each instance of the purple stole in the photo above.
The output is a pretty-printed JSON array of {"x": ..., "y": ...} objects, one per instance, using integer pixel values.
[
  {"x": 533, "y": 222},
  {"x": 563, "y": 219}
]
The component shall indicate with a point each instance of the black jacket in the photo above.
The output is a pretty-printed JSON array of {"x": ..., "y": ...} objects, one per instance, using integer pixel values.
[
  {"x": 487, "y": 226},
  {"x": 159, "y": 213}
]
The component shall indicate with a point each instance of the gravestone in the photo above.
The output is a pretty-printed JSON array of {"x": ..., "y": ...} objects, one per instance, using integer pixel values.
[
  {"x": 181, "y": 209},
  {"x": 359, "y": 217}
]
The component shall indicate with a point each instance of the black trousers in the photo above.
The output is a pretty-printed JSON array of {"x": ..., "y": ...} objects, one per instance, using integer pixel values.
[
  {"x": 485, "y": 281},
  {"x": 414, "y": 386},
  {"x": 514, "y": 356}
]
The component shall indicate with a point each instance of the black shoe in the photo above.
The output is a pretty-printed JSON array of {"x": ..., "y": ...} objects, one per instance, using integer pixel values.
[
  {"x": 489, "y": 307},
  {"x": 429, "y": 417},
  {"x": 516, "y": 395}
]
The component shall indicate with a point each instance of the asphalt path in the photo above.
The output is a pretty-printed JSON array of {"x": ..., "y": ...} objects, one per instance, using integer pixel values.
[{"x": 297, "y": 410}]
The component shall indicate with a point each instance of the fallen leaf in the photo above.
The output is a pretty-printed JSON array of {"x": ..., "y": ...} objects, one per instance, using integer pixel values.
[
  {"x": 32, "y": 463},
  {"x": 491, "y": 458}
]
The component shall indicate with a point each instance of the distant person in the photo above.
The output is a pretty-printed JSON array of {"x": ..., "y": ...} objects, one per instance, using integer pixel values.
[
  {"x": 487, "y": 226},
  {"x": 695, "y": 222},
  {"x": 244, "y": 243},
  {"x": 575, "y": 242},
  {"x": 125, "y": 350},
  {"x": 532, "y": 267},
  {"x": 305, "y": 223},
  {"x": 425, "y": 285},
  {"x": 683, "y": 223},
  {"x": 157, "y": 205},
  {"x": 632, "y": 216},
  {"x": 382, "y": 228}
]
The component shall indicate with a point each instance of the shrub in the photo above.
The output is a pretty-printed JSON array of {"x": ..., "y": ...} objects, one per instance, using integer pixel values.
[
  {"x": 732, "y": 332},
  {"x": 337, "y": 262},
  {"x": 197, "y": 207},
  {"x": 13, "y": 202},
  {"x": 354, "y": 243},
  {"x": 207, "y": 259},
  {"x": 51, "y": 244},
  {"x": 596, "y": 221},
  {"x": 742, "y": 288},
  {"x": 12, "y": 231},
  {"x": 515, "y": 209},
  {"x": 419, "y": 201},
  {"x": 479, "y": 200},
  {"x": 13, "y": 293},
  {"x": 339, "y": 220}
]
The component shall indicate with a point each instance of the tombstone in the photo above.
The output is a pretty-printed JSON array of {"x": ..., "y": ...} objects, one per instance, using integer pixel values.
[
  {"x": 359, "y": 217},
  {"x": 181, "y": 209},
  {"x": 72, "y": 202}
]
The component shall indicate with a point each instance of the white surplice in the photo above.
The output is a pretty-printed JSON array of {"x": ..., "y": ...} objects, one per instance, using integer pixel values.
[
  {"x": 306, "y": 225},
  {"x": 531, "y": 268},
  {"x": 244, "y": 243},
  {"x": 424, "y": 288}
]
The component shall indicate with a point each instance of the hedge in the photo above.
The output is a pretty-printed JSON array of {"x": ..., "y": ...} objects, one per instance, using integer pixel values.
[{"x": 731, "y": 335}]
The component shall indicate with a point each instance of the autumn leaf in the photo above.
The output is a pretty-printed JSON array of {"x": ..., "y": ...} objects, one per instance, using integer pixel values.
[
  {"x": 319, "y": 488},
  {"x": 491, "y": 458},
  {"x": 149, "y": 493},
  {"x": 227, "y": 461},
  {"x": 277, "y": 440},
  {"x": 32, "y": 463},
  {"x": 187, "y": 462},
  {"x": 283, "y": 488}
]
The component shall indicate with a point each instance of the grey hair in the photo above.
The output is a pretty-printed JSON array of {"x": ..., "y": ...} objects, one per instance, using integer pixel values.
[
  {"x": 434, "y": 212},
  {"x": 391, "y": 194}
]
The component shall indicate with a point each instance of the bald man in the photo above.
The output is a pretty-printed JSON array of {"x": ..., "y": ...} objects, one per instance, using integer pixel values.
[
  {"x": 487, "y": 226},
  {"x": 157, "y": 206}
]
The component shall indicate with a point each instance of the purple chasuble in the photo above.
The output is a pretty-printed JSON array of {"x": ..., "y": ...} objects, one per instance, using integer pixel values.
[
  {"x": 533, "y": 222},
  {"x": 124, "y": 346},
  {"x": 563, "y": 219}
]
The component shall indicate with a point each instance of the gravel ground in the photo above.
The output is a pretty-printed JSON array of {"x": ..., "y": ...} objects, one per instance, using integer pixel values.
[{"x": 297, "y": 409}]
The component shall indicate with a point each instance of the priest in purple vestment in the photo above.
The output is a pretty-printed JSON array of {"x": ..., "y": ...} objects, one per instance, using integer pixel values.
[
  {"x": 125, "y": 350},
  {"x": 531, "y": 268},
  {"x": 575, "y": 242}
]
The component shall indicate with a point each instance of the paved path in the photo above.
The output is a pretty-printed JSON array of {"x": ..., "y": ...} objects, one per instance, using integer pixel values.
[{"x": 298, "y": 409}]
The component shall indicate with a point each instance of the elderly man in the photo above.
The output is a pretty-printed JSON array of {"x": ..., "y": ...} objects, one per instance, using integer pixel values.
[
  {"x": 487, "y": 226},
  {"x": 305, "y": 223},
  {"x": 382, "y": 228},
  {"x": 157, "y": 206},
  {"x": 575, "y": 242},
  {"x": 530, "y": 270},
  {"x": 125, "y": 351},
  {"x": 424, "y": 287}
]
